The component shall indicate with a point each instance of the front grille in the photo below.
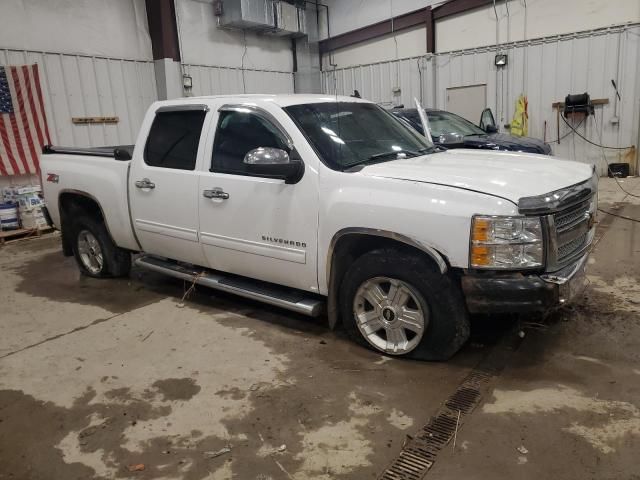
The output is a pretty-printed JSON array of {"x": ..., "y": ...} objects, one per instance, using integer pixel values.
[
  {"x": 568, "y": 218},
  {"x": 571, "y": 233},
  {"x": 569, "y": 249}
]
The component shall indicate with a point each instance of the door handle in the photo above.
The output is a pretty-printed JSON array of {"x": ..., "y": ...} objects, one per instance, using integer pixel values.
[
  {"x": 145, "y": 183},
  {"x": 215, "y": 193}
]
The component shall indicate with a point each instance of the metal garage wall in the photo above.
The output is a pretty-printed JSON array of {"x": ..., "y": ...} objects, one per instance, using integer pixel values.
[
  {"x": 545, "y": 69},
  {"x": 376, "y": 81},
  {"x": 212, "y": 80},
  {"x": 86, "y": 86},
  {"x": 216, "y": 57}
]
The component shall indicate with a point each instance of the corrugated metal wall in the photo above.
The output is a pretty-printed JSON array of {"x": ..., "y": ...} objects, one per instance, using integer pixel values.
[
  {"x": 545, "y": 69},
  {"x": 83, "y": 86},
  {"x": 376, "y": 81},
  {"x": 212, "y": 80}
]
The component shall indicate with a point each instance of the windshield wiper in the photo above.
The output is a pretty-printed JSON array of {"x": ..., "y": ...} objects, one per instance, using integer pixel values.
[
  {"x": 379, "y": 156},
  {"x": 430, "y": 149}
]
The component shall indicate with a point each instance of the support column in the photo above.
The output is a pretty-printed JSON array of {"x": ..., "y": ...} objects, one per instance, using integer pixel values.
[
  {"x": 430, "y": 25},
  {"x": 161, "y": 17},
  {"x": 306, "y": 76}
]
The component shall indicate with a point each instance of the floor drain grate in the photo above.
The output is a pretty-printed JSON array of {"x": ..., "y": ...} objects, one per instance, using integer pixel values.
[
  {"x": 419, "y": 454},
  {"x": 463, "y": 400}
]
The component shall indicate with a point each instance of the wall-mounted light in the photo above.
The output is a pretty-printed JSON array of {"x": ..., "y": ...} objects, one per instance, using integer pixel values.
[
  {"x": 501, "y": 60},
  {"x": 187, "y": 82}
]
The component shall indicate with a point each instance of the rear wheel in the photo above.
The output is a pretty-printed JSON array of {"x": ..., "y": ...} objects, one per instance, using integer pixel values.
[
  {"x": 94, "y": 250},
  {"x": 397, "y": 303},
  {"x": 90, "y": 252}
]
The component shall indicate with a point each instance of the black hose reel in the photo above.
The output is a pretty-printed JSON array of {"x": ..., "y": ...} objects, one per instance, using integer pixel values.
[{"x": 578, "y": 104}]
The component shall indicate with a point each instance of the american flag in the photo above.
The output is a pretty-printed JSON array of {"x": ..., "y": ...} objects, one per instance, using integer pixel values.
[{"x": 23, "y": 123}]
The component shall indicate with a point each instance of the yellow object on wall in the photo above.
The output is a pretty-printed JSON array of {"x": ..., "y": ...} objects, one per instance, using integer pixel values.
[{"x": 520, "y": 122}]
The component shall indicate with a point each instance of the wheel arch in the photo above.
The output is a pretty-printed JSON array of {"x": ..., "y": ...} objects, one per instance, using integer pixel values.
[
  {"x": 350, "y": 243},
  {"x": 72, "y": 203}
]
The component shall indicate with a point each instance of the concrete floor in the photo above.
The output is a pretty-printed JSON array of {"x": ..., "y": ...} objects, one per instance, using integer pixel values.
[{"x": 99, "y": 376}]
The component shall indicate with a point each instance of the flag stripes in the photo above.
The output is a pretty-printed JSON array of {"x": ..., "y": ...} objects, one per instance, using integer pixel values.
[{"x": 23, "y": 123}]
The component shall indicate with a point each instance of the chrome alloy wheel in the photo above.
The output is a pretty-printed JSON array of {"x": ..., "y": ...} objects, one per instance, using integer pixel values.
[
  {"x": 90, "y": 252},
  {"x": 389, "y": 315}
]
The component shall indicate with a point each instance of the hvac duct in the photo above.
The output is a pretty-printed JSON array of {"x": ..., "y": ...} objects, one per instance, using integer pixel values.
[{"x": 245, "y": 14}]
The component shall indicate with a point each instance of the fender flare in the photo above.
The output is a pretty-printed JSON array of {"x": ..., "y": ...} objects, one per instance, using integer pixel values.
[
  {"x": 82, "y": 193},
  {"x": 332, "y": 300}
]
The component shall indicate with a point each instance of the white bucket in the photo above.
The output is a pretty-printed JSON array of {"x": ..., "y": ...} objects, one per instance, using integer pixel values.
[{"x": 9, "y": 216}]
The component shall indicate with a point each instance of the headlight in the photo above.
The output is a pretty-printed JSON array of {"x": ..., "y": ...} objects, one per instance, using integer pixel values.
[{"x": 506, "y": 243}]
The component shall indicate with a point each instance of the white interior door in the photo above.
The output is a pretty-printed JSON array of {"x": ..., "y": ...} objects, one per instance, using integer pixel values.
[{"x": 468, "y": 102}]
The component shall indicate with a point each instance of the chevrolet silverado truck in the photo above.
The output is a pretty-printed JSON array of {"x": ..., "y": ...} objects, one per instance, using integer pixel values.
[{"x": 329, "y": 205}]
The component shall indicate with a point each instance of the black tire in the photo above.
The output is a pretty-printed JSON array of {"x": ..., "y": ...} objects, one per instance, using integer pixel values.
[
  {"x": 116, "y": 261},
  {"x": 447, "y": 327}
]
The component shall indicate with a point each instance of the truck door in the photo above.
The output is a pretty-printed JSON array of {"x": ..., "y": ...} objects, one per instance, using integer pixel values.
[
  {"x": 163, "y": 184},
  {"x": 251, "y": 225}
]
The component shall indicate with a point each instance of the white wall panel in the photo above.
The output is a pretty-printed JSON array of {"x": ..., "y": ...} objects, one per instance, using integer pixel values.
[
  {"x": 546, "y": 70},
  {"x": 113, "y": 28},
  {"x": 204, "y": 43},
  {"x": 211, "y": 80},
  {"x": 406, "y": 43},
  {"x": 83, "y": 86},
  {"x": 377, "y": 81},
  {"x": 347, "y": 15},
  {"x": 476, "y": 28},
  {"x": 543, "y": 18},
  {"x": 216, "y": 57}
]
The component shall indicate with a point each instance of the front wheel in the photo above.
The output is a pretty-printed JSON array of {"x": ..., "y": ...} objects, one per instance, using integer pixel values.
[
  {"x": 94, "y": 250},
  {"x": 397, "y": 303}
]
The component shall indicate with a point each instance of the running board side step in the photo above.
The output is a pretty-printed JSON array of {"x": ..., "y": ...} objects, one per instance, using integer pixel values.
[{"x": 295, "y": 300}]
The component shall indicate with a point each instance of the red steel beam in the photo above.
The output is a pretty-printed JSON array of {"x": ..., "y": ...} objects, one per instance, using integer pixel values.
[
  {"x": 455, "y": 7},
  {"x": 431, "y": 31},
  {"x": 401, "y": 22},
  {"x": 161, "y": 17}
]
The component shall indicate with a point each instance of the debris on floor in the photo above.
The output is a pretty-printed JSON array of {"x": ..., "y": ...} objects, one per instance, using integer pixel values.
[{"x": 218, "y": 453}]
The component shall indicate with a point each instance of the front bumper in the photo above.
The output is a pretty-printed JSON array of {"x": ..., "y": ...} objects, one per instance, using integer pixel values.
[{"x": 491, "y": 292}]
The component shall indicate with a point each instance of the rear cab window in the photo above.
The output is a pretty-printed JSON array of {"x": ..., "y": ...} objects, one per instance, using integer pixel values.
[{"x": 174, "y": 138}]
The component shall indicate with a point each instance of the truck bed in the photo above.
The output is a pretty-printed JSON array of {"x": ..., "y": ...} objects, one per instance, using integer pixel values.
[
  {"x": 94, "y": 173},
  {"x": 107, "y": 151}
]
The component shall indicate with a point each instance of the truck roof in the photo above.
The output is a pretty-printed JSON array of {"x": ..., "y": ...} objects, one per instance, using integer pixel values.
[{"x": 283, "y": 100}]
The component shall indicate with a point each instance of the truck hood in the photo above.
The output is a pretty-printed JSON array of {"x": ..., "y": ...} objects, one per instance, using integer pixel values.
[
  {"x": 504, "y": 141},
  {"x": 508, "y": 175}
]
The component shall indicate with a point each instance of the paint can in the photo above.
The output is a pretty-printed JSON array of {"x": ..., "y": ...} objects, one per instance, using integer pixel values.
[{"x": 9, "y": 216}]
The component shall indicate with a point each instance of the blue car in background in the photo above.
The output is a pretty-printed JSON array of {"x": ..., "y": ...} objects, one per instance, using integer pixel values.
[{"x": 452, "y": 131}]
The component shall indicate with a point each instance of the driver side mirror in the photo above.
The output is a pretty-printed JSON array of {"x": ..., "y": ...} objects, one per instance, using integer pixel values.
[
  {"x": 271, "y": 162},
  {"x": 487, "y": 121}
]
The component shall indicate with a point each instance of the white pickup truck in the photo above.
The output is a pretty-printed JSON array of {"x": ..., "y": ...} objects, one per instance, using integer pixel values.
[{"x": 329, "y": 204}]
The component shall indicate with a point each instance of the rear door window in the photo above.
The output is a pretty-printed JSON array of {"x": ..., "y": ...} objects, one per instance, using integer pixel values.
[{"x": 174, "y": 138}]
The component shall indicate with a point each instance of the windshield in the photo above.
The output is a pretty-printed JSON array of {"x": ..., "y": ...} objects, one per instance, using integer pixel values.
[
  {"x": 346, "y": 134},
  {"x": 442, "y": 123},
  {"x": 412, "y": 117}
]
